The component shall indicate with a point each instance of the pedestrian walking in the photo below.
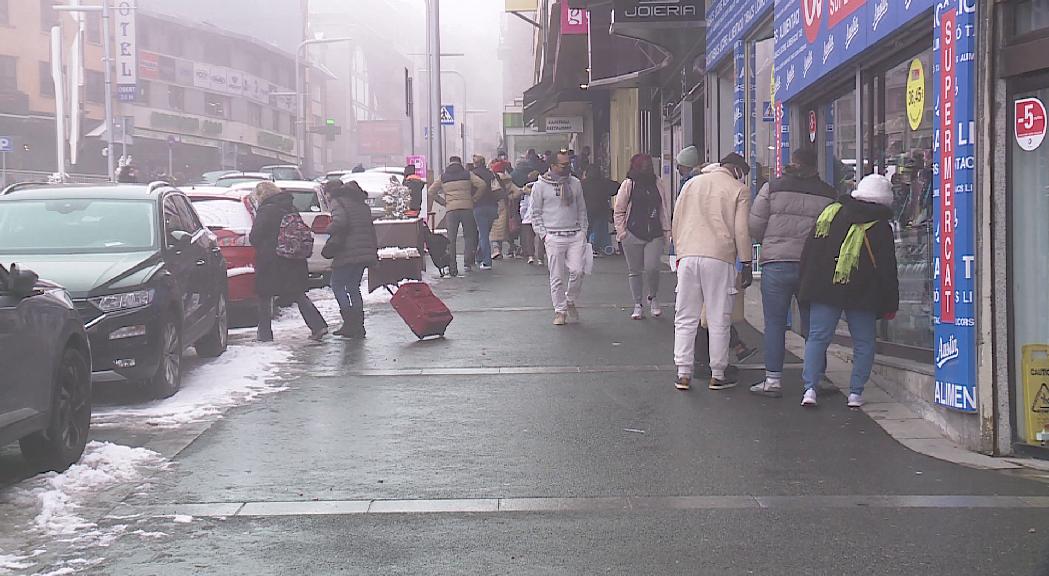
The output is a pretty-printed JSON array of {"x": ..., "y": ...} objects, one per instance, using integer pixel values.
[
  {"x": 781, "y": 220},
  {"x": 353, "y": 247},
  {"x": 598, "y": 192},
  {"x": 710, "y": 235},
  {"x": 688, "y": 165},
  {"x": 532, "y": 245},
  {"x": 486, "y": 211},
  {"x": 642, "y": 218},
  {"x": 507, "y": 227},
  {"x": 559, "y": 217},
  {"x": 849, "y": 267},
  {"x": 456, "y": 190},
  {"x": 274, "y": 233}
]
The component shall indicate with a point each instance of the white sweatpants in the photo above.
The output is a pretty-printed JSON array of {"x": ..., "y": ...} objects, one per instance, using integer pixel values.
[
  {"x": 703, "y": 281},
  {"x": 565, "y": 255}
]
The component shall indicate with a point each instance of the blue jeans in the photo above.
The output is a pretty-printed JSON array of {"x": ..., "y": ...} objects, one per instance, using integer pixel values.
[
  {"x": 599, "y": 235},
  {"x": 823, "y": 320},
  {"x": 780, "y": 282},
  {"x": 485, "y": 216},
  {"x": 346, "y": 284}
]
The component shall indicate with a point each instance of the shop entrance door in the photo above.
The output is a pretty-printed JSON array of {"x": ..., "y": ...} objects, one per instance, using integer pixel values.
[{"x": 1029, "y": 275}]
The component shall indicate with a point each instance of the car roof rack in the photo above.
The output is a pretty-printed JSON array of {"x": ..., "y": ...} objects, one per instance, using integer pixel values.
[{"x": 22, "y": 186}]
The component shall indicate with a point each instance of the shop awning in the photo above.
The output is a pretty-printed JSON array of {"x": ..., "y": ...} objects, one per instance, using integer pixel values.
[{"x": 563, "y": 72}]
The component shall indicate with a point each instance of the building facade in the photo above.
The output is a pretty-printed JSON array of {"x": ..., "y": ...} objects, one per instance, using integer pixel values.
[{"x": 204, "y": 99}]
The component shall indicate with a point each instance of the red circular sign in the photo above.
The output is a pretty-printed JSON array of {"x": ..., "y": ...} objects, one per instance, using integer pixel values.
[
  {"x": 812, "y": 17},
  {"x": 812, "y": 126},
  {"x": 1030, "y": 123}
]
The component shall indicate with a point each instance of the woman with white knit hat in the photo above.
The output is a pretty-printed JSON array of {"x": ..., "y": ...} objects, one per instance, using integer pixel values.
[{"x": 849, "y": 267}]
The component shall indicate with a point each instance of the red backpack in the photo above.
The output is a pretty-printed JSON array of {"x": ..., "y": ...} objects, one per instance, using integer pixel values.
[{"x": 295, "y": 239}]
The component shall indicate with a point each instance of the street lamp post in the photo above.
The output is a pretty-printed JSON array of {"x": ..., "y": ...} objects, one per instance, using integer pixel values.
[
  {"x": 300, "y": 91},
  {"x": 107, "y": 58}
]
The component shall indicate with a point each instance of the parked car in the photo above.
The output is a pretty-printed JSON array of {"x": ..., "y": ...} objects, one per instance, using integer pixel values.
[
  {"x": 233, "y": 178},
  {"x": 313, "y": 207},
  {"x": 283, "y": 172},
  {"x": 45, "y": 394},
  {"x": 228, "y": 214},
  {"x": 209, "y": 178},
  {"x": 398, "y": 170},
  {"x": 147, "y": 278},
  {"x": 374, "y": 183}
]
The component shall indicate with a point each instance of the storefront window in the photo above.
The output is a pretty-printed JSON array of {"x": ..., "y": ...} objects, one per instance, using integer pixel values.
[
  {"x": 1030, "y": 15},
  {"x": 725, "y": 103},
  {"x": 902, "y": 149},
  {"x": 839, "y": 128},
  {"x": 1030, "y": 277},
  {"x": 764, "y": 127}
]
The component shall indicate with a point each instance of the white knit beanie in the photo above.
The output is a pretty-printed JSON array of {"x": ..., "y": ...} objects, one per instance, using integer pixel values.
[
  {"x": 689, "y": 157},
  {"x": 874, "y": 188}
]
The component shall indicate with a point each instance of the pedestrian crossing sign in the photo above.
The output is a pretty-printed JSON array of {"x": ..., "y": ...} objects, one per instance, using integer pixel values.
[{"x": 447, "y": 115}]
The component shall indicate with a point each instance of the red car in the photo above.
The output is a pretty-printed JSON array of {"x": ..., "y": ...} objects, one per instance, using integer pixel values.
[{"x": 228, "y": 215}]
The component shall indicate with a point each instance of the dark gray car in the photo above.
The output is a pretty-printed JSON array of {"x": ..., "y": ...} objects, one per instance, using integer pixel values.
[{"x": 45, "y": 371}]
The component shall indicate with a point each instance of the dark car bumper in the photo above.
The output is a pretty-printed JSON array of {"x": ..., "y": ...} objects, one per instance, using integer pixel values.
[{"x": 127, "y": 343}]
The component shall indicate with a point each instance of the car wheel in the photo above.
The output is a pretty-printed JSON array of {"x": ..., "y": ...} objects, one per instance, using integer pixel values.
[
  {"x": 214, "y": 344},
  {"x": 62, "y": 444},
  {"x": 168, "y": 378}
]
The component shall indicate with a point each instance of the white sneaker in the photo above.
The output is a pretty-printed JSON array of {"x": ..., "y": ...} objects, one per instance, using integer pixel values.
[
  {"x": 531, "y": 260},
  {"x": 855, "y": 400},
  {"x": 639, "y": 312},
  {"x": 767, "y": 388},
  {"x": 657, "y": 311},
  {"x": 809, "y": 400}
]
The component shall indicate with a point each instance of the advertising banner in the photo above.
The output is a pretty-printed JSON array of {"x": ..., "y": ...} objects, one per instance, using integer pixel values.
[
  {"x": 574, "y": 21},
  {"x": 813, "y": 37},
  {"x": 739, "y": 126},
  {"x": 729, "y": 22},
  {"x": 955, "y": 256}
]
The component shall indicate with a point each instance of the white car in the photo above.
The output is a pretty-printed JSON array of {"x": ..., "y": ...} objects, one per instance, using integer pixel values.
[
  {"x": 374, "y": 183},
  {"x": 313, "y": 206},
  {"x": 398, "y": 170}
]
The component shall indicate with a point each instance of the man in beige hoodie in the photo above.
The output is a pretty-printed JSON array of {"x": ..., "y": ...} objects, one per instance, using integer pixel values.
[{"x": 711, "y": 235}]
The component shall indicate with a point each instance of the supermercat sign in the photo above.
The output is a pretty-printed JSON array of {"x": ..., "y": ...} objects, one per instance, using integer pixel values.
[{"x": 656, "y": 12}]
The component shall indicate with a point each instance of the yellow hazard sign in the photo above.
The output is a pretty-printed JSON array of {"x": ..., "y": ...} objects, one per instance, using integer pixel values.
[
  {"x": 916, "y": 94},
  {"x": 1036, "y": 392}
]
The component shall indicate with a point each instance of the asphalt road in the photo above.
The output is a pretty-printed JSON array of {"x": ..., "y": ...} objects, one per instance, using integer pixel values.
[{"x": 516, "y": 447}]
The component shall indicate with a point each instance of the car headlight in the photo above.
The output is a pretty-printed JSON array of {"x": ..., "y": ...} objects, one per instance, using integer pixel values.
[{"x": 125, "y": 301}]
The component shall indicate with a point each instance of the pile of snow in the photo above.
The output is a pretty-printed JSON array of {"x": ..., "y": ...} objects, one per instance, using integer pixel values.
[
  {"x": 395, "y": 253},
  {"x": 56, "y": 497},
  {"x": 9, "y": 562},
  {"x": 240, "y": 375}
]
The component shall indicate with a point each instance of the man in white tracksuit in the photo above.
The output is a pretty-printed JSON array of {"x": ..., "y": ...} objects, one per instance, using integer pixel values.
[
  {"x": 711, "y": 235},
  {"x": 559, "y": 218}
]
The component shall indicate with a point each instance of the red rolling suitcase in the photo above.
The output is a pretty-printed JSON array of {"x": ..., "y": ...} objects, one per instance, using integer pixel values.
[{"x": 423, "y": 311}]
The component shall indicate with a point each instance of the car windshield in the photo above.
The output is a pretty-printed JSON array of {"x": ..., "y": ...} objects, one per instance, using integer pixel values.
[
  {"x": 306, "y": 200},
  {"x": 285, "y": 173},
  {"x": 77, "y": 226},
  {"x": 223, "y": 214},
  {"x": 226, "y": 182}
]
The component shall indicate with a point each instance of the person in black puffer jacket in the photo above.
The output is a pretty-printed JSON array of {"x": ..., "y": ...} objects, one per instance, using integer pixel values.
[
  {"x": 849, "y": 266},
  {"x": 275, "y": 276},
  {"x": 356, "y": 248}
]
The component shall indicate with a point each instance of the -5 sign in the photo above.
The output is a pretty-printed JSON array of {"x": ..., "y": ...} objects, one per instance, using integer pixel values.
[{"x": 1030, "y": 123}]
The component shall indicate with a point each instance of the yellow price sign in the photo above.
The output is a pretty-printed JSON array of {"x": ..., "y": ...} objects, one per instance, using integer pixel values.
[{"x": 916, "y": 94}]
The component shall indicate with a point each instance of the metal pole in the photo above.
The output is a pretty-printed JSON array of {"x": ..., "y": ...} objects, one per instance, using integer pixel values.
[
  {"x": 3, "y": 171},
  {"x": 123, "y": 136},
  {"x": 108, "y": 57},
  {"x": 171, "y": 160},
  {"x": 435, "y": 73},
  {"x": 60, "y": 99},
  {"x": 301, "y": 106},
  {"x": 462, "y": 134}
]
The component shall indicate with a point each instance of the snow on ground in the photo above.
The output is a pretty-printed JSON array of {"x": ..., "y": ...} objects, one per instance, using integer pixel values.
[{"x": 242, "y": 374}]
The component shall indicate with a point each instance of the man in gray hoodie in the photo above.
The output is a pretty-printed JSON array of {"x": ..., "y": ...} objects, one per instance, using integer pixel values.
[
  {"x": 781, "y": 220},
  {"x": 559, "y": 218}
]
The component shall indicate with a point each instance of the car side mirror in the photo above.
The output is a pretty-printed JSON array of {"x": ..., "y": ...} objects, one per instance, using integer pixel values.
[
  {"x": 23, "y": 282},
  {"x": 180, "y": 238}
]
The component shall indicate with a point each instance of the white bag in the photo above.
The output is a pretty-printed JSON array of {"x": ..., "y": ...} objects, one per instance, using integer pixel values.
[{"x": 588, "y": 259}]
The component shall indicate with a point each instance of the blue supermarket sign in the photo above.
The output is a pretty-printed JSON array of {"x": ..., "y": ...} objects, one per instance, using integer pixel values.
[
  {"x": 731, "y": 21},
  {"x": 814, "y": 37},
  {"x": 955, "y": 206}
]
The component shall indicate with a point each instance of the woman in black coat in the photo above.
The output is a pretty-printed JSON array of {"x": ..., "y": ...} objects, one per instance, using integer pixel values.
[
  {"x": 849, "y": 267},
  {"x": 355, "y": 248},
  {"x": 276, "y": 276}
]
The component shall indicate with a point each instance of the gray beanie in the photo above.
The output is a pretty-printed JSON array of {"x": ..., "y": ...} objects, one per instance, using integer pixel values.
[{"x": 689, "y": 157}]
